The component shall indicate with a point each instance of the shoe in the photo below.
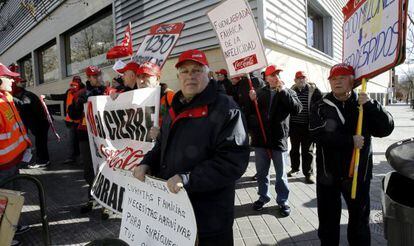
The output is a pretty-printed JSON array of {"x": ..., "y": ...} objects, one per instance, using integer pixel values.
[
  {"x": 16, "y": 243},
  {"x": 86, "y": 208},
  {"x": 38, "y": 165},
  {"x": 258, "y": 205},
  {"x": 284, "y": 210},
  {"x": 255, "y": 177},
  {"x": 21, "y": 229},
  {"x": 68, "y": 161},
  {"x": 309, "y": 179},
  {"x": 292, "y": 173},
  {"x": 105, "y": 214}
]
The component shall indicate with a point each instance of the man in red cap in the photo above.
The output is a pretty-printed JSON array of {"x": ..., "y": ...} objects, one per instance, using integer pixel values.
[
  {"x": 14, "y": 142},
  {"x": 223, "y": 80},
  {"x": 130, "y": 76},
  {"x": 333, "y": 122},
  {"x": 308, "y": 94},
  {"x": 94, "y": 87},
  {"x": 75, "y": 85},
  {"x": 206, "y": 152},
  {"x": 276, "y": 103}
]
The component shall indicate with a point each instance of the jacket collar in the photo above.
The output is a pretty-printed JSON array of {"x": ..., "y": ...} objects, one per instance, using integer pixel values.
[{"x": 352, "y": 99}]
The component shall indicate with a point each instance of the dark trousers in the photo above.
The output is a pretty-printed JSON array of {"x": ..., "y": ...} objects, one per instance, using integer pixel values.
[
  {"x": 73, "y": 150},
  {"x": 42, "y": 151},
  {"x": 89, "y": 174},
  {"x": 300, "y": 140},
  {"x": 329, "y": 212},
  {"x": 224, "y": 239}
]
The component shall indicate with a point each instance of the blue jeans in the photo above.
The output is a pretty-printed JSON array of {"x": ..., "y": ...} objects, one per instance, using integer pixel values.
[{"x": 262, "y": 167}]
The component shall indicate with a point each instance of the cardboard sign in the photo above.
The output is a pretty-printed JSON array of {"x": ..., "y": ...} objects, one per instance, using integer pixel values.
[
  {"x": 374, "y": 35},
  {"x": 154, "y": 216},
  {"x": 158, "y": 44},
  {"x": 119, "y": 138},
  {"x": 11, "y": 203},
  {"x": 240, "y": 41}
]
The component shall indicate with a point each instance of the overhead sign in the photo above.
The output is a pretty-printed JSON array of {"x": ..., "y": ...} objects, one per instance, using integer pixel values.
[
  {"x": 119, "y": 138},
  {"x": 158, "y": 44},
  {"x": 240, "y": 41},
  {"x": 154, "y": 216},
  {"x": 374, "y": 35}
]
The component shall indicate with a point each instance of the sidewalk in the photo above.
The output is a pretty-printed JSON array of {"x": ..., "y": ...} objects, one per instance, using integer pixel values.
[{"x": 66, "y": 191}]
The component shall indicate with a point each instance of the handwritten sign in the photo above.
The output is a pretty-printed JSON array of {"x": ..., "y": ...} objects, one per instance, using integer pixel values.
[
  {"x": 158, "y": 44},
  {"x": 119, "y": 138},
  {"x": 374, "y": 35},
  {"x": 239, "y": 38},
  {"x": 154, "y": 216}
]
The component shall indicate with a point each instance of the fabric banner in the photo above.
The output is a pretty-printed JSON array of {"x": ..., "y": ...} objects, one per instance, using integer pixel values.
[{"x": 119, "y": 138}]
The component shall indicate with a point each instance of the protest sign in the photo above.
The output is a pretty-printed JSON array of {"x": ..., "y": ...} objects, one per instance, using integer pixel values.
[
  {"x": 158, "y": 44},
  {"x": 240, "y": 41},
  {"x": 155, "y": 216},
  {"x": 119, "y": 138},
  {"x": 374, "y": 35}
]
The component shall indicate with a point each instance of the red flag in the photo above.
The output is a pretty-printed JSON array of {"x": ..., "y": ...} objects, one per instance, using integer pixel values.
[{"x": 123, "y": 50}]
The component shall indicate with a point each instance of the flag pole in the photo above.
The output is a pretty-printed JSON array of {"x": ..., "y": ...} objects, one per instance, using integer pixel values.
[{"x": 356, "y": 150}]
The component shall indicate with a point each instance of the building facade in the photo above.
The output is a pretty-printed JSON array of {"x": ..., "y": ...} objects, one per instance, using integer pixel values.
[{"x": 53, "y": 40}]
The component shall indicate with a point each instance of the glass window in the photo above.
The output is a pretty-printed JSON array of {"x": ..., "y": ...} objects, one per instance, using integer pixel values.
[
  {"x": 48, "y": 63},
  {"x": 89, "y": 45},
  {"x": 319, "y": 28},
  {"x": 26, "y": 70}
]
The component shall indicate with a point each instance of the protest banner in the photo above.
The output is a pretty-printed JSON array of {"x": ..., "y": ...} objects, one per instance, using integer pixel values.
[
  {"x": 158, "y": 44},
  {"x": 155, "y": 216},
  {"x": 240, "y": 41},
  {"x": 119, "y": 138},
  {"x": 374, "y": 36}
]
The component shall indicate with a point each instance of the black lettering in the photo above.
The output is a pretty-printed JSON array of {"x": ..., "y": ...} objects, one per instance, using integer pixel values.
[
  {"x": 108, "y": 121},
  {"x": 113, "y": 196},
  {"x": 104, "y": 194}
]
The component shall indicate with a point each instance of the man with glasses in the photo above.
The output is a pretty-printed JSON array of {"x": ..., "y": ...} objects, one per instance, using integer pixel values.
[
  {"x": 203, "y": 147},
  {"x": 276, "y": 103}
]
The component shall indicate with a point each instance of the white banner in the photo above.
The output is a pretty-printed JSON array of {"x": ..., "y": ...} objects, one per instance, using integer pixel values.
[
  {"x": 119, "y": 138},
  {"x": 240, "y": 41},
  {"x": 373, "y": 36},
  {"x": 158, "y": 44},
  {"x": 154, "y": 216}
]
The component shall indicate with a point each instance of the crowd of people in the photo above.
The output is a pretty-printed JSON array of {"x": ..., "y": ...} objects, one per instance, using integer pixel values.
[{"x": 236, "y": 117}]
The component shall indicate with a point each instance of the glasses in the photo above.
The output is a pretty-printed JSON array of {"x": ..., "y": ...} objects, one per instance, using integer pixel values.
[{"x": 195, "y": 71}]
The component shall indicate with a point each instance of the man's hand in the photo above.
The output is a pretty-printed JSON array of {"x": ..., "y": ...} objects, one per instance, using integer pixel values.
[
  {"x": 252, "y": 95},
  {"x": 175, "y": 183},
  {"x": 358, "y": 141},
  {"x": 363, "y": 98},
  {"x": 140, "y": 171},
  {"x": 154, "y": 132},
  {"x": 113, "y": 95}
]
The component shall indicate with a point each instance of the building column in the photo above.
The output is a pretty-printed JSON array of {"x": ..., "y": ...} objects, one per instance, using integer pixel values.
[
  {"x": 36, "y": 69},
  {"x": 60, "y": 45}
]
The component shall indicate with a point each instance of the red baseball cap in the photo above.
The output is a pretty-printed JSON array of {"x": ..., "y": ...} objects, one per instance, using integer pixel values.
[
  {"x": 150, "y": 69},
  {"x": 272, "y": 69},
  {"x": 5, "y": 71},
  {"x": 133, "y": 66},
  {"x": 92, "y": 70},
  {"x": 192, "y": 55},
  {"x": 76, "y": 79},
  {"x": 341, "y": 69},
  {"x": 300, "y": 74},
  {"x": 222, "y": 71}
]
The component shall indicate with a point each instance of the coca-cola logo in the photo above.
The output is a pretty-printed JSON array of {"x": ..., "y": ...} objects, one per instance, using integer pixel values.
[
  {"x": 245, "y": 62},
  {"x": 126, "y": 159}
]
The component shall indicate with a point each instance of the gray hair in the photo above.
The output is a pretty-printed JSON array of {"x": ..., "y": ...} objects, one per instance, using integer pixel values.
[{"x": 205, "y": 68}]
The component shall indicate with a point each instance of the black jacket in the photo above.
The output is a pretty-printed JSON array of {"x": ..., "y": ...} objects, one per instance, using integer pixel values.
[
  {"x": 240, "y": 94},
  {"x": 227, "y": 85},
  {"x": 31, "y": 111},
  {"x": 275, "y": 120},
  {"x": 206, "y": 141},
  {"x": 334, "y": 139}
]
